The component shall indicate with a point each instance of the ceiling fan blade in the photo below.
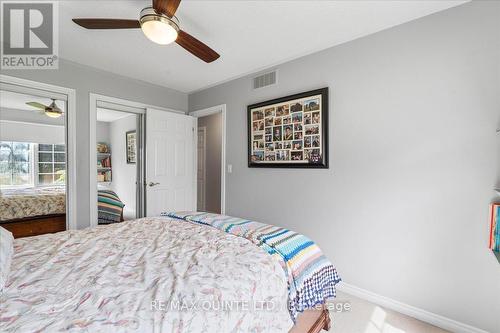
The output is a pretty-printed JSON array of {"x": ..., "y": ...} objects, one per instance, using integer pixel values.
[
  {"x": 167, "y": 7},
  {"x": 196, "y": 47},
  {"x": 37, "y": 105},
  {"x": 96, "y": 23}
]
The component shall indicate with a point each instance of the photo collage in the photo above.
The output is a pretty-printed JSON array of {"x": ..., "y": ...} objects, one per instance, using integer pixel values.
[{"x": 288, "y": 132}]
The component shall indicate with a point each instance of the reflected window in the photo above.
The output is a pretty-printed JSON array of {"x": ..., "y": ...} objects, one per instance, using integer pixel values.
[
  {"x": 51, "y": 164},
  {"x": 24, "y": 164},
  {"x": 16, "y": 167}
]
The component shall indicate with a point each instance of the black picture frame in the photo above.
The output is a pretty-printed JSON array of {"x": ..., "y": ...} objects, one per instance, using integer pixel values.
[
  {"x": 258, "y": 160},
  {"x": 131, "y": 147}
]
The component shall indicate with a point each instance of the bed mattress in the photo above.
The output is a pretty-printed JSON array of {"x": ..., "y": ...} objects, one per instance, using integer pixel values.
[
  {"x": 31, "y": 202},
  {"x": 150, "y": 274}
]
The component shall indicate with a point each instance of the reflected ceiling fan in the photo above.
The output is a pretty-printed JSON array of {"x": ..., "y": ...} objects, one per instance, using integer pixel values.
[
  {"x": 51, "y": 110},
  {"x": 159, "y": 24}
]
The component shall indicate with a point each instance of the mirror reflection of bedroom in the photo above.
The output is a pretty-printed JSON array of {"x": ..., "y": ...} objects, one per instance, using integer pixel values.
[
  {"x": 116, "y": 166},
  {"x": 32, "y": 164}
]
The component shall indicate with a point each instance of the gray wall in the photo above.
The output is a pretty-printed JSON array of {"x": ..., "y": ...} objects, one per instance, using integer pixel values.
[
  {"x": 29, "y": 116},
  {"x": 102, "y": 132},
  {"x": 213, "y": 123},
  {"x": 403, "y": 209},
  {"x": 31, "y": 132},
  {"x": 29, "y": 126},
  {"x": 85, "y": 80}
]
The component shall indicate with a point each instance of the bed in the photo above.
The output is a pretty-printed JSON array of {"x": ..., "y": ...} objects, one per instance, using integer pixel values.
[
  {"x": 168, "y": 274},
  {"x": 109, "y": 207},
  {"x": 31, "y": 202},
  {"x": 33, "y": 211}
]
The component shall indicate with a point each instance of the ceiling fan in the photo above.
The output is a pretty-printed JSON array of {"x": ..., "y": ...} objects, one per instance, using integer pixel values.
[
  {"x": 159, "y": 24},
  {"x": 51, "y": 110}
]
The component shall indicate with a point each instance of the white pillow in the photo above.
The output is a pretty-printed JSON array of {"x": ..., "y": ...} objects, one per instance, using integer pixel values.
[{"x": 6, "y": 252}]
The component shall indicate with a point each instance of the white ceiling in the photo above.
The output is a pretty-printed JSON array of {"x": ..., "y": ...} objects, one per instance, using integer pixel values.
[
  {"x": 249, "y": 35},
  {"x": 108, "y": 116}
]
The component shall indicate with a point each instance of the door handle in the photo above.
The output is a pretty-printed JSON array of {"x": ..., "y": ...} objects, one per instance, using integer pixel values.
[{"x": 151, "y": 184}]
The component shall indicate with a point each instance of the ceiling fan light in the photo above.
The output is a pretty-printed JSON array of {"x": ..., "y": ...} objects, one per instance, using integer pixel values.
[
  {"x": 158, "y": 28},
  {"x": 53, "y": 113}
]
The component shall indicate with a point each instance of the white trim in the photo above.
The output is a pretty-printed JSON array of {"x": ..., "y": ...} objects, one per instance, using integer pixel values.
[
  {"x": 126, "y": 106},
  {"x": 93, "y": 160},
  {"x": 70, "y": 98},
  {"x": 194, "y": 122},
  {"x": 409, "y": 310},
  {"x": 204, "y": 194},
  {"x": 23, "y": 86},
  {"x": 132, "y": 104},
  {"x": 206, "y": 112},
  {"x": 29, "y": 123},
  {"x": 119, "y": 107}
]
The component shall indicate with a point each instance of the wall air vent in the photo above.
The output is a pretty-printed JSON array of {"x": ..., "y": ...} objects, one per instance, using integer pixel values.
[{"x": 264, "y": 80}]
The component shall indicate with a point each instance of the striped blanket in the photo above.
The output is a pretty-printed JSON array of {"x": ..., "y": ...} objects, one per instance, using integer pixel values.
[
  {"x": 310, "y": 275},
  {"x": 109, "y": 207}
]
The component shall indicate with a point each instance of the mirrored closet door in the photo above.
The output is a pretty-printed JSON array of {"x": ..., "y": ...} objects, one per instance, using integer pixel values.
[
  {"x": 33, "y": 162},
  {"x": 118, "y": 163}
]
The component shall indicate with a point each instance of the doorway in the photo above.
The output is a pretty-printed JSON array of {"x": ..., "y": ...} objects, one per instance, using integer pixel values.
[{"x": 211, "y": 159}]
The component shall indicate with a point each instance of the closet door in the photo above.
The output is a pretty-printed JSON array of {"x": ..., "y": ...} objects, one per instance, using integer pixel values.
[{"x": 170, "y": 162}]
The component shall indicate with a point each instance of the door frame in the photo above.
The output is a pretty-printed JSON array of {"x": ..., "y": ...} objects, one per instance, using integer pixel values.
[
  {"x": 204, "y": 128},
  {"x": 31, "y": 87},
  {"x": 207, "y": 112},
  {"x": 124, "y": 105}
]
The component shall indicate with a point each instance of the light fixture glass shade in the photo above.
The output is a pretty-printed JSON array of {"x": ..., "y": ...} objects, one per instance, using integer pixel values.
[
  {"x": 53, "y": 114},
  {"x": 159, "y": 32}
]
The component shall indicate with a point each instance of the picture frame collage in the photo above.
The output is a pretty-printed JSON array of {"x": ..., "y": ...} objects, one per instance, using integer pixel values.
[{"x": 289, "y": 132}]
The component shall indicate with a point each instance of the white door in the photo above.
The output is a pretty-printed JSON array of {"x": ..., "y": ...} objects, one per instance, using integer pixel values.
[
  {"x": 170, "y": 162},
  {"x": 202, "y": 161}
]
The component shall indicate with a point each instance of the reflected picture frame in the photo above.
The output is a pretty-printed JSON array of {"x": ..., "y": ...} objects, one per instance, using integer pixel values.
[{"x": 131, "y": 146}]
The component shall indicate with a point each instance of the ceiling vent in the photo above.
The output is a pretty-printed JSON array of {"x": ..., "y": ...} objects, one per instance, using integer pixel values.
[{"x": 264, "y": 80}]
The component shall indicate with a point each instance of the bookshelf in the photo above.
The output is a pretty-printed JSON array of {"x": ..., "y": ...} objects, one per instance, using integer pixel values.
[{"x": 104, "y": 169}]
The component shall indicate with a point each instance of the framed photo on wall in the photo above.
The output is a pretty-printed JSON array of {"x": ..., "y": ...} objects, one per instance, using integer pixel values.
[
  {"x": 131, "y": 147},
  {"x": 289, "y": 132}
]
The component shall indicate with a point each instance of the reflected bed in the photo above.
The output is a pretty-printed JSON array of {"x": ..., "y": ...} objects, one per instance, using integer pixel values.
[
  {"x": 31, "y": 202},
  {"x": 33, "y": 211}
]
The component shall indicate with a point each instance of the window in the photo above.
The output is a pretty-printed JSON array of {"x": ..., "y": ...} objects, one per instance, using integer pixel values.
[
  {"x": 51, "y": 164},
  {"x": 16, "y": 164},
  {"x": 30, "y": 164}
]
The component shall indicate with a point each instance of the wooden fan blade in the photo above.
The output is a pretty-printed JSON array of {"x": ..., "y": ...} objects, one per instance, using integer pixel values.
[
  {"x": 196, "y": 47},
  {"x": 95, "y": 23},
  {"x": 167, "y": 7},
  {"x": 37, "y": 105}
]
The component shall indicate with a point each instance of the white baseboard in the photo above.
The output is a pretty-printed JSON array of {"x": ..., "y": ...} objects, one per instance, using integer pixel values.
[{"x": 426, "y": 316}]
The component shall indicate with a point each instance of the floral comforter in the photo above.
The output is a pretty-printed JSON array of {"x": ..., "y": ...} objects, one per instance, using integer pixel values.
[
  {"x": 145, "y": 275},
  {"x": 38, "y": 201}
]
